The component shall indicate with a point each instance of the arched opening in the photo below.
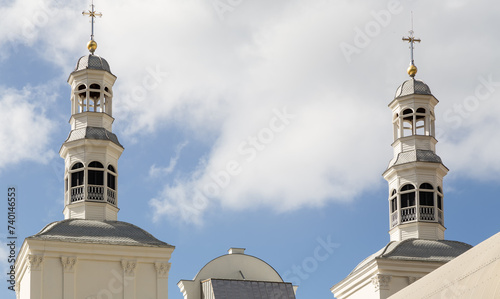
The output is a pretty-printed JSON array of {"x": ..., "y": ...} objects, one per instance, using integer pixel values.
[
  {"x": 107, "y": 101},
  {"x": 420, "y": 117},
  {"x": 81, "y": 97},
  {"x": 111, "y": 177},
  {"x": 426, "y": 195},
  {"x": 77, "y": 181},
  {"x": 440, "y": 205},
  {"x": 96, "y": 177},
  {"x": 95, "y": 181},
  {"x": 111, "y": 184},
  {"x": 395, "y": 123},
  {"x": 95, "y": 97},
  {"x": 393, "y": 200},
  {"x": 407, "y": 122},
  {"x": 407, "y": 196},
  {"x": 77, "y": 175},
  {"x": 426, "y": 202},
  {"x": 439, "y": 198},
  {"x": 407, "y": 203}
]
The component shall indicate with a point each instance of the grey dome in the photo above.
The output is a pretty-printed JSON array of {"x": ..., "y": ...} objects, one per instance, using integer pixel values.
[
  {"x": 418, "y": 250},
  {"x": 98, "y": 232},
  {"x": 92, "y": 62},
  {"x": 412, "y": 86}
]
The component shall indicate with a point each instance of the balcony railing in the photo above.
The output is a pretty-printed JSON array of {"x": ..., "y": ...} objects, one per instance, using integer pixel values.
[
  {"x": 408, "y": 214},
  {"x": 440, "y": 217},
  {"x": 77, "y": 193},
  {"x": 94, "y": 193},
  {"x": 111, "y": 196},
  {"x": 394, "y": 219},
  {"x": 427, "y": 214}
]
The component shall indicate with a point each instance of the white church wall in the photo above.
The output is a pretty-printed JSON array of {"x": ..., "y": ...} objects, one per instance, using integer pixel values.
[
  {"x": 98, "y": 278},
  {"x": 52, "y": 277},
  {"x": 145, "y": 281}
]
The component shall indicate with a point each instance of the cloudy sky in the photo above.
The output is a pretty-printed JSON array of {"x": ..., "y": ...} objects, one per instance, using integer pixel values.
[{"x": 256, "y": 124}]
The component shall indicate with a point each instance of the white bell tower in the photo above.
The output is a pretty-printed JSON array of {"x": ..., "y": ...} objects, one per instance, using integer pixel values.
[
  {"x": 415, "y": 174},
  {"x": 91, "y": 151}
]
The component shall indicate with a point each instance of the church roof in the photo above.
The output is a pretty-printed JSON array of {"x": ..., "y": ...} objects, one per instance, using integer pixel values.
[
  {"x": 93, "y": 133},
  {"x": 415, "y": 156},
  {"x": 418, "y": 250},
  {"x": 94, "y": 62},
  {"x": 412, "y": 86},
  {"x": 98, "y": 232},
  {"x": 474, "y": 274},
  {"x": 230, "y": 289}
]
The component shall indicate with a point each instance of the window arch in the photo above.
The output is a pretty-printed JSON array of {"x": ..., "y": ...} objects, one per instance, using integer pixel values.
[
  {"x": 407, "y": 122},
  {"x": 77, "y": 175},
  {"x": 394, "y": 201},
  {"x": 407, "y": 196},
  {"x": 77, "y": 166},
  {"x": 95, "y": 164},
  {"x": 95, "y": 173},
  {"x": 81, "y": 97},
  {"x": 95, "y": 98},
  {"x": 420, "y": 119},
  {"x": 111, "y": 177},
  {"x": 439, "y": 198},
  {"x": 426, "y": 195},
  {"x": 108, "y": 95}
]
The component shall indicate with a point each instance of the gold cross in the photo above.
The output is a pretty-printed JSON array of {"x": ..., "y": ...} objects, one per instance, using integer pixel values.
[
  {"x": 92, "y": 13},
  {"x": 411, "y": 39}
]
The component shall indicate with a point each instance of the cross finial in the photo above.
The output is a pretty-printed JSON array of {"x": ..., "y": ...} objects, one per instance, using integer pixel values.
[
  {"x": 92, "y": 45},
  {"x": 412, "y": 70}
]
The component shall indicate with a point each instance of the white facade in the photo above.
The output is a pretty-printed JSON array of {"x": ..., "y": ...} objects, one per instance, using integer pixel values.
[{"x": 57, "y": 270}]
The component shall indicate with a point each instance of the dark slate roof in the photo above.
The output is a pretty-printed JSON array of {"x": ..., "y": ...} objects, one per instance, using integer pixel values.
[
  {"x": 92, "y": 62},
  {"x": 415, "y": 156},
  {"x": 98, "y": 232},
  {"x": 235, "y": 289},
  {"x": 412, "y": 86},
  {"x": 418, "y": 250},
  {"x": 93, "y": 133}
]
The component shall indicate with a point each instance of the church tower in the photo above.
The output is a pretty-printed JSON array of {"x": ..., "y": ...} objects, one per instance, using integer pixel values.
[
  {"x": 91, "y": 151},
  {"x": 415, "y": 174},
  {"x": 90, "y": 254}
]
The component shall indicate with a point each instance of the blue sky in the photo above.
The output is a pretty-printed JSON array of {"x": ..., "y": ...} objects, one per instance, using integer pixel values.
[{"x": 199, "y": 81}]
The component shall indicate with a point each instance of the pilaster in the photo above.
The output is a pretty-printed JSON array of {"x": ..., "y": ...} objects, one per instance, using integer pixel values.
[
  {"x": 68, "y": 263},
  {"x": 162, "y": 269},
  {"x": 129, "y": 289},
  {"x": 35, "y": 266}
]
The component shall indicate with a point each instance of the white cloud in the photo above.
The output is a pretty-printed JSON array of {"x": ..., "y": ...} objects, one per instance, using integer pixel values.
[
  {"x": 25, "y": 129},
  {"x": 155, "y": 171},
  {"x": 178, "y": 64}
]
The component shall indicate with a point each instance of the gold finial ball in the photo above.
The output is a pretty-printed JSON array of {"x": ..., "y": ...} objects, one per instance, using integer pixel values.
[
  {"x": 92, "y": 45},
  {"x": 412, "y": 70}
]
